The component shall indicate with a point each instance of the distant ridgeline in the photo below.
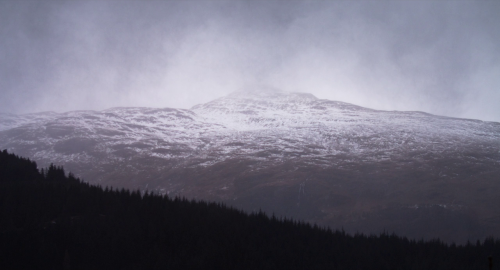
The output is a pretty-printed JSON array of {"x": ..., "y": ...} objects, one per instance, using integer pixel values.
[{"x": 52, "y": 221}]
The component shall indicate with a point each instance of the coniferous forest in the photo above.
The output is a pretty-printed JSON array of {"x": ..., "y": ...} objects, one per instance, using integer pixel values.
[{"x": 50, "y": 220}]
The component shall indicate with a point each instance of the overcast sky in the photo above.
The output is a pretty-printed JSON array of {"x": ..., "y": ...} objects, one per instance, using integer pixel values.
[{"x": 436, "y": 56}]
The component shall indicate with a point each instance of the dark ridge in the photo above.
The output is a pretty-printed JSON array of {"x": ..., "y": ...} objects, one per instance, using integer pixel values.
[{"x": 50, "y": 220}]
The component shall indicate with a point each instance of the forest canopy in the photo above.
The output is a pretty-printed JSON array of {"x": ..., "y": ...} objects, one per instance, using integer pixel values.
[{"x": 53, "y": 220}]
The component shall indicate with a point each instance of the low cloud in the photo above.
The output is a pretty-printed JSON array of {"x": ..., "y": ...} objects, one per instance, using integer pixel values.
[{"x": 441, "y": 57}]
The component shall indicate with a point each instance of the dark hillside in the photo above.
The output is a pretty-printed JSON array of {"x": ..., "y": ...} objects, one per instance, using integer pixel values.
[{"x": 52, "y": 221}]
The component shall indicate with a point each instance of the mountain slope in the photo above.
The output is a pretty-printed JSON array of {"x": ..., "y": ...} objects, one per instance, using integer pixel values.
[
  {"x": 293, "y": 154},
  {"x": 51, "y": 221}
]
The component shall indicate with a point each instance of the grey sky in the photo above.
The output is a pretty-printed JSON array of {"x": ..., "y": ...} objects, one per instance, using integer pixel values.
[{"x": 437, "y": 56}]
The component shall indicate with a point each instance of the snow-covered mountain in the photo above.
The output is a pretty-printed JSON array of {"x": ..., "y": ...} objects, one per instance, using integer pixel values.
[{"x": 293, "y": 154}]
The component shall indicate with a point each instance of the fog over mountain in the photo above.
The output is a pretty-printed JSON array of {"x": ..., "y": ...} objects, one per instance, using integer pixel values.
[
  {"x": 441, "y": 57},
  {"x": 367, "y": 115}
]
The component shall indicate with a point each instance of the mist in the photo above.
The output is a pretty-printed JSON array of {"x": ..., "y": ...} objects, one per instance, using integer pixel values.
[{"x": 441, "y": 57}]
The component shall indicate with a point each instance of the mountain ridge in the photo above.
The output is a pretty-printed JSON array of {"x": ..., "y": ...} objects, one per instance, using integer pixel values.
[{"x": 322, "y": 161}]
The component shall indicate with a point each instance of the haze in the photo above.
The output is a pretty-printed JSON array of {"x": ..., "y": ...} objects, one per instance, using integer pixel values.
[{"x": 442, "y": 57}]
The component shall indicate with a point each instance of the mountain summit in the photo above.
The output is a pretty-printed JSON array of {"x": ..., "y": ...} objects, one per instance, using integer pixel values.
[{"x": 293, "y": 154}]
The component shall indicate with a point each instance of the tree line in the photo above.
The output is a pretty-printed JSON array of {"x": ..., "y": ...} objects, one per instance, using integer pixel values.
[{"x": 51, "y": 220}]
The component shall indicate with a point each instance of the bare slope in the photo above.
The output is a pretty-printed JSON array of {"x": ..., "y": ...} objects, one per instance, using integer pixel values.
[{"x": 292, "y": 154}]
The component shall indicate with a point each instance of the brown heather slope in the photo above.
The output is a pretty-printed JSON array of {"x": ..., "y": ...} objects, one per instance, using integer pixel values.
[{"x": 291, "y": 154}]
